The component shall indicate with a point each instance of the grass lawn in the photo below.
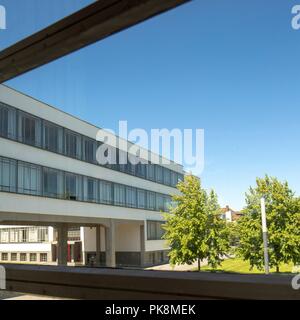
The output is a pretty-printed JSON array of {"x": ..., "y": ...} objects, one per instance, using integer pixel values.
[{"x": 237, "y": 265}]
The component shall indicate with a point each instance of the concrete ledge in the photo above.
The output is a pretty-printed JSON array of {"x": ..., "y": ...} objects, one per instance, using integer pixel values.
[{"x": 86, "y": 283}]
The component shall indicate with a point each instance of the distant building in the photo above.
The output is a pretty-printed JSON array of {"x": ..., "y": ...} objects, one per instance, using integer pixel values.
[
  {"x": 38, "y": 245},
  {"x": 230, "y": 215}
]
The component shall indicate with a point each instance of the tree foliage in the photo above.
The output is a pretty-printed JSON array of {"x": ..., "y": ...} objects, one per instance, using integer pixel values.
[
  {"x": 283, "y": 221},
  {"x": 194, "y": 228}
]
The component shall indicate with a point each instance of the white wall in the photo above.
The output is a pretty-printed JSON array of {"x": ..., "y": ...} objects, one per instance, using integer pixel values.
[
  {"x": 89, "y": 243},
  {"x": 25, "y": 247},
  {"x": 155, "y": 245},
  {"x": 228, "y": 216},
  {"x": 23, "y": 204},
  {"x": 128, "y": 237}
]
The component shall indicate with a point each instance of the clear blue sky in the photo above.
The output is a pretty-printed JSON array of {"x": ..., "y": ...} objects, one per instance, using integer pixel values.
[{"x": 230, "y": 67}]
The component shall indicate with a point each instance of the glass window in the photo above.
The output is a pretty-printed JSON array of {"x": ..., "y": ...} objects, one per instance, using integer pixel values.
[
  {"x": 154, "y": 230},
  {"x": 132, "y": 164},
  {"x": 72, "y": 144},
  {"x": 159, "y": 174},
  {"x": 105, "y": 192},
  {"x": 24, "y": 235},
  {"x": 141, "y": 170},
  {"x": 160, "y": 202},
  {"x": 7, "y": 122},
  {"x": 33, "y": 235},
  {"x": 121, "y": 160},
  {"x": 89, "y": 152},
  {"x": 167, "y": 177},
  {"x": 4, "y": 256},
  {"x": 151, "y": 172},
  {"x": 180, "y": 177},
  {"x": 131, "y": 168},
  {"x": 167, "y": 203},
  {"x": 3, "y": 121},
  {"x": 90, "y": 189},
  {"x": 74, "y": 234},
  {"x": 131, "y": 197},
  {"x": 70, "y": 187},
  {"x": 4, "y": 235},
  {"x": 30, "y": 129},
  {"x": 32, "y": 257},
  {"x": 174, "y": 179},
  {"x": 43, "y": 257},
  {"x": 119, "y": 195},
  {"x": 43, "y": 234},
  {"x": 8, "y": 170},
  {"x": 151, "y": 202},
  {"x": 23, "y": 257},
  {"x": 53, "y": 183},
  {"x": 53, "y": 137},
  {"x": 73, "y": 187},
  {"x": 13, "y": 256},
  {"x": 141, "y": 199},
  {"x": 159, "y": 230},
  {"x": 29, "y": 179},
  {"x": 13, "y": 235}
]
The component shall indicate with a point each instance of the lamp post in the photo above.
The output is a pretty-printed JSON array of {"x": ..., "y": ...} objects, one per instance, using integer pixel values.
[{"x": 265, "y": 234}]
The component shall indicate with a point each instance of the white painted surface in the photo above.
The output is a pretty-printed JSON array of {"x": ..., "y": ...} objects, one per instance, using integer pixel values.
[
  {"x": 24, "y": 204},
  {"x": 25, "y": 247},
  {"x": 155, "y": 245},
  {"x": 128, "y": 237},
  {"x": 90, "y": 239},
  {"x": 228, "y": 216}
]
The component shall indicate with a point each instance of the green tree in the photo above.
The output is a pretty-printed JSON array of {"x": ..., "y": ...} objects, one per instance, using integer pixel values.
[
  {"x": 217, "y": 237},
  {"x": 194, "y": 229},
  {"x": 283, "y": 224}
]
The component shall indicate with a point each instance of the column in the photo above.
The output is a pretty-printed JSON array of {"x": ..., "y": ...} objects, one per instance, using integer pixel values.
[
  {"x": 62, "y": 244},
  {"x": 110, "y": 245},
  {"x": 72, "y": 249},
  {"x": 98, "y": 246},
  {"x": 142, "y": 239}
]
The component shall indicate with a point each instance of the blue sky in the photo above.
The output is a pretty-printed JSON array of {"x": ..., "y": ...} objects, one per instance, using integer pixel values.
[{"x": 230, "y": 67}]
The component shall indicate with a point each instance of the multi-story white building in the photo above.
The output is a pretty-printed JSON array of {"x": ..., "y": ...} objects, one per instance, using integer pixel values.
[{"x": 49, "y": 176}]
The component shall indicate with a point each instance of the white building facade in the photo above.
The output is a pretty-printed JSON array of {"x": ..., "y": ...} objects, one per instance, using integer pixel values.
[{"x": 49, "y": 176}]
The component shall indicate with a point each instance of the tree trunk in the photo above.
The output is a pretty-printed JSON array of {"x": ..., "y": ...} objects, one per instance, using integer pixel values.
[
  {"x": 277, "y": 269},
  {"x": 199, "y": 265}
]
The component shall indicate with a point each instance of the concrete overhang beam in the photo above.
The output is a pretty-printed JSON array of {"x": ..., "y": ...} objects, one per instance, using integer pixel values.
[{"x": 93, "y": 23}]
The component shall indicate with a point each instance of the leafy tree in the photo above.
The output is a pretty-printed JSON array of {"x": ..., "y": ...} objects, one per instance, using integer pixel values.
[
  {"x": 283, "y": 220},
  {"x": 217, "y": 237},
  {"x": 194, "y": 229}
]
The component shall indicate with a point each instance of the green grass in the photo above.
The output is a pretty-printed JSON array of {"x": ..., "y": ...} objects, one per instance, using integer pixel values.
[{"x": 237, "y": 265}]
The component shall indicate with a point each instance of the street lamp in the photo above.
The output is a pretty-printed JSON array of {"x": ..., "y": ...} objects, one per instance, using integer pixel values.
[{"x": 265, "y": 234}]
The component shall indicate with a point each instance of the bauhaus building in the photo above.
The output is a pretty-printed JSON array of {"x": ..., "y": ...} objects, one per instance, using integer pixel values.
[{"x": 50, "y": 179}]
